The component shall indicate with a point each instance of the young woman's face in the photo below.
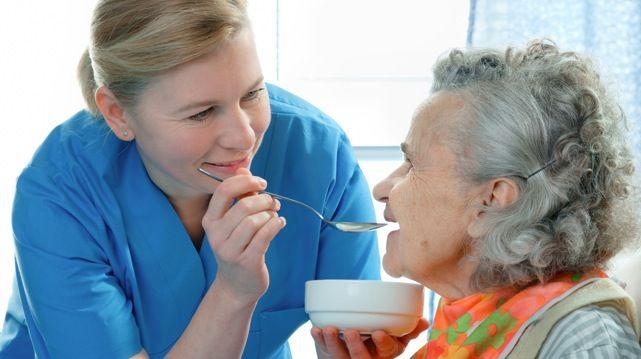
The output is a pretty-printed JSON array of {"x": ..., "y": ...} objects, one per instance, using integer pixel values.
[{"x": 211, "y": 112}]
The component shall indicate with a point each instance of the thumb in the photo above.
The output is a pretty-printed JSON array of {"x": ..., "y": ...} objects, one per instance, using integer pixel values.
[{"x": 242, "y": 171}]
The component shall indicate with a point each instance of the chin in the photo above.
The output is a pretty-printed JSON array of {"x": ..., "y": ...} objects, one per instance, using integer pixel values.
[{"x": 390, "y": 268}]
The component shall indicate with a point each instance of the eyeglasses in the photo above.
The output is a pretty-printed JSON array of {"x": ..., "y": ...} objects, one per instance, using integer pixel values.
[{"x": 537, "y": 171}]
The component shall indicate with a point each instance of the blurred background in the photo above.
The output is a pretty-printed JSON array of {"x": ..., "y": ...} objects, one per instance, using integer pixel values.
[{"x": 366, "y": 63}]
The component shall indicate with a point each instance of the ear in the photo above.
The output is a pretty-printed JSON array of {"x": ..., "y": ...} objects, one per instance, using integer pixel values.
[
  {"x": 114, "y": 114},
  {"x": 497, "y": 193},
  {"x": 504, "y": 192}
]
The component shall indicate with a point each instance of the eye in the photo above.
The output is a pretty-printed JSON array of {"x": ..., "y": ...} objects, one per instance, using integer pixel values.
[
  {"x": 252, "y": 95},
  {"x": 202, "y": 115}
]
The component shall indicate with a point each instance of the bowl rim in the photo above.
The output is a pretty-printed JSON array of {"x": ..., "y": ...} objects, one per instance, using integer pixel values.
[
  {"x": 395, "y": 314},
  {"x": 364, "y": 281}
]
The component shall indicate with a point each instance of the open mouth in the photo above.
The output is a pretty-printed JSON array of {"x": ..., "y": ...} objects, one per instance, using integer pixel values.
[{"x": 387, "y": 214}]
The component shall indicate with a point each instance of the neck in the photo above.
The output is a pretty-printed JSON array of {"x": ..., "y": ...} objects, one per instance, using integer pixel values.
[
  {"x": 453, "y": 282},
  {"x": 191, "y": 212}
]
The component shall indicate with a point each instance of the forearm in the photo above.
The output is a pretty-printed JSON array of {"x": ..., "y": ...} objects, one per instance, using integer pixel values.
[{"x": 218, "y": 329}]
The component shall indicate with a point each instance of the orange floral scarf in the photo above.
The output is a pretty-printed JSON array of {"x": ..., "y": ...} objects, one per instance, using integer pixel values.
[{"x": 488, "y": 325}]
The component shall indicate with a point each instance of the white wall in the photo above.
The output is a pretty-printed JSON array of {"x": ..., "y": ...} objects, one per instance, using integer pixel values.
[{"x": 41, "y": 44}]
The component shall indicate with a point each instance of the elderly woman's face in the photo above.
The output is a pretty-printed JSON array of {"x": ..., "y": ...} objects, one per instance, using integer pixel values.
[{"x": 426, "y": 196}]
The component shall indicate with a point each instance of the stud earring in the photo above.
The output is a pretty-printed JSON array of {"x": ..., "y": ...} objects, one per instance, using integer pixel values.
[{"x": 125, "y": 133}]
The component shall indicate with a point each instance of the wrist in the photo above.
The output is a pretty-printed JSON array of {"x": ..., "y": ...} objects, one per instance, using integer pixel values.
[{"x": 225, "y": 294}]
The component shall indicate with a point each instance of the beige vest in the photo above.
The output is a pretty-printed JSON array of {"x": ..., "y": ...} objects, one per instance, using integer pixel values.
[{"x": 604, "y": 292}]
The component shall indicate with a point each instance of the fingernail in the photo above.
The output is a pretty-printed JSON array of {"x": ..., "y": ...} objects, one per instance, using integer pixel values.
[
  {"x": 276, "y": 204},
  {"x": 263, "y": 183},
  {"x": 283, "y": 221}
]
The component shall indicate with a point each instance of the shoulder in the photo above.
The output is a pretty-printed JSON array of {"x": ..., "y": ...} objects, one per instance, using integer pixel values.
[
  {"x": 303, "y": 138},
  {"x": 68, "y": 174},
  {"x": 290, "y": 112},
  {"x": 81, "y": 143},
  {"x": 304, "y": 141},
  {"x": 82, "y": 138},
  {"x": 594, "y": 331}
]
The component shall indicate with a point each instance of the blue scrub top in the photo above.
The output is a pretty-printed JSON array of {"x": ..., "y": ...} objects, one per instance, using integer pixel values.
[{"x": 104, "y": 267}]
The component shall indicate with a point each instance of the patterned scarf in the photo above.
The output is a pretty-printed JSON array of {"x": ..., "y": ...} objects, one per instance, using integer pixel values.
[{"x": 488, "y": 325}]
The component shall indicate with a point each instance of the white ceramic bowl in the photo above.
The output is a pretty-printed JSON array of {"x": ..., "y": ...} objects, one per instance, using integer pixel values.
[{"x": 364, "y": 305}]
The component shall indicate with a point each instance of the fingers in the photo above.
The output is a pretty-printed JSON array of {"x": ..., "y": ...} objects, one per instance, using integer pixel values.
[
  {"x": 245, "y": 218},
  {"x": 355, "y": 346},
  {"x": 352, "y": 346},
  {"x": 319, "y": 340},
  {"x": 249, "y": 206},
  {"x": 243, "y": 233},
  {"x": 386, "y": 345},
  {"x": 261, "y": 240},
  {"x": 231, "y": 188},
  {"x": 421, "y": 326},
  {"x": 333, "y": 344}
]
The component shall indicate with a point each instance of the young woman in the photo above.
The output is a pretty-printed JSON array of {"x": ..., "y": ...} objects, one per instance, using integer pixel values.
[{"x": 121, "y": 248}]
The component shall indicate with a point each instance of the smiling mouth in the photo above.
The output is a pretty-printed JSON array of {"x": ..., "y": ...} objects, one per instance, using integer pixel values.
[
  {"x": 229, "y": 164},
  {"x": 228, "y": 168}
]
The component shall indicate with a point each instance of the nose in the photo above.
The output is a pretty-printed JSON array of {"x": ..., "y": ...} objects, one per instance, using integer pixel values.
[
  {"x": 239, "y": 134},
  {"x": 382, "y": 189}
]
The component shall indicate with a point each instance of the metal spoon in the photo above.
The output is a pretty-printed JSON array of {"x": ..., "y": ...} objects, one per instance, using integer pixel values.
[{"x": 343, "y": 226}]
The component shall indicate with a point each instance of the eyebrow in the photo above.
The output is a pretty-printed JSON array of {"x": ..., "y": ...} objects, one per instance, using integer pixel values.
[{"x": 210, "y": 102}]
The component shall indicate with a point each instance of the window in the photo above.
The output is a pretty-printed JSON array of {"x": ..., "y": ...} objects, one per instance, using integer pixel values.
[{"x": 365, "y": 63}]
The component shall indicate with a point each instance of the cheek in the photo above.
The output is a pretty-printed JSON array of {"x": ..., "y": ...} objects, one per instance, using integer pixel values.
[
  {"x": 409, "y": 205},
  {"x": 173, "y": 156},
  {"x": 412, "y": 245},
  {"x": 420, "y": 223},
  {"x": 162, "y": 140},
  {"x": 176, "y": 148},
  {"x": 261, "y": 118}
]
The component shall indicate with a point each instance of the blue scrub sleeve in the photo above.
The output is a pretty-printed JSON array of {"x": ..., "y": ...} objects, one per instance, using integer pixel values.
[
  {"x": 345, "y": 255},
  {"x": 74, "y": 305},
  {"x": 14, "y": 338}
]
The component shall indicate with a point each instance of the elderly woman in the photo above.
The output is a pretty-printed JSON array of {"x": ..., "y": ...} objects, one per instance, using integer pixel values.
[{"x": 515, "y": 191}]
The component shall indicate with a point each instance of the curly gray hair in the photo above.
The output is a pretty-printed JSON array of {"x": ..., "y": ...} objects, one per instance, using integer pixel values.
[{"x": 526, "y": 109}]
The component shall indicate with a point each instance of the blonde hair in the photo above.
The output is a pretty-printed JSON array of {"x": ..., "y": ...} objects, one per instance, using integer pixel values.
[{"x": 134, "y": 40}]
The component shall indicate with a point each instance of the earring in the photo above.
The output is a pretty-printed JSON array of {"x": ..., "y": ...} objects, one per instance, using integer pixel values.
[{"x": 125, "y": 133}]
